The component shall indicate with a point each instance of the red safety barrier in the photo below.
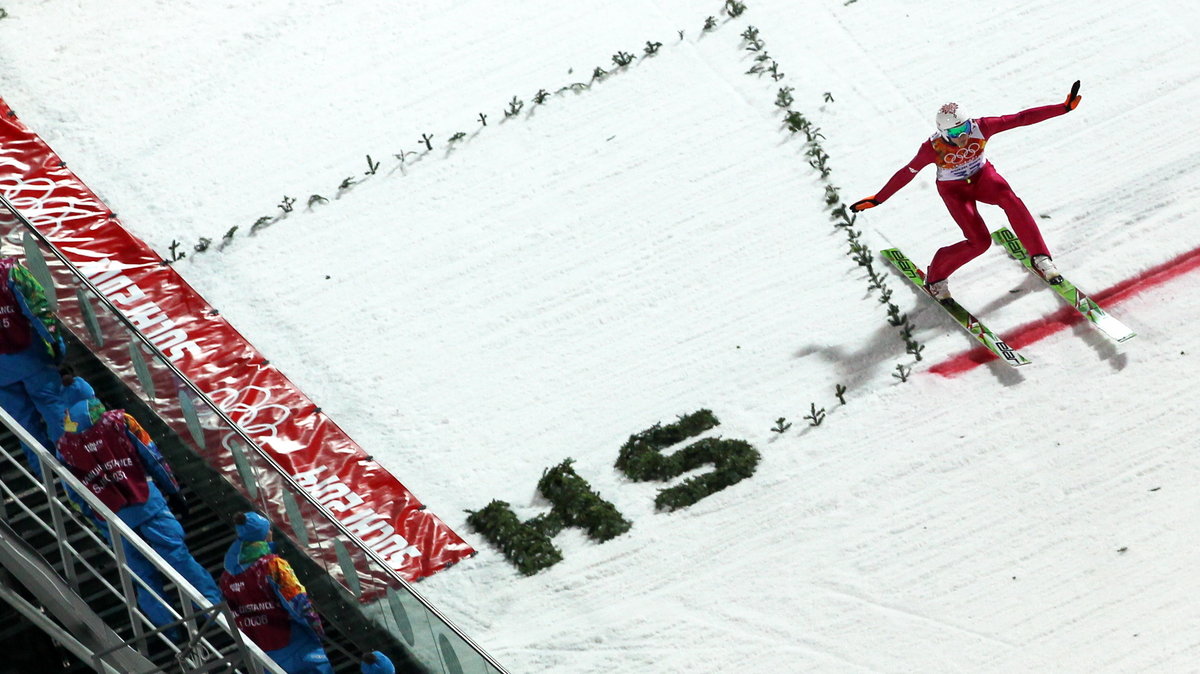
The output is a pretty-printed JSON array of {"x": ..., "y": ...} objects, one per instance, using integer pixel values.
[{"x": 308, "y": 446}]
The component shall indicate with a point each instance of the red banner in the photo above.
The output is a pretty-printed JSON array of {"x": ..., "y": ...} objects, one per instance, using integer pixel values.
[{"x": 306, "y": 444}]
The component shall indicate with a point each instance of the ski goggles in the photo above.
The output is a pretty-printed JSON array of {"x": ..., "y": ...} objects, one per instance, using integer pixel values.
[{"x": 956, "y": 131}]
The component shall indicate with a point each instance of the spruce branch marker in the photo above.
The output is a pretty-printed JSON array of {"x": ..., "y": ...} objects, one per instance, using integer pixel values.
[
  {"x": 514, "y": 107},
  {"x": 913, "y": 347},
  {"x": 175, "y": 254},
  {"x": 228, "y": 237},
  {"x": 622, "y": 59},
  {"x": 781, "y": 425},
  {"x": 734, "y": 9},
  {"x": 815, "y": 416},
  {"x": 840, "y": 391},
  {"x": 902, "y": 372},
  {"x": 818, "y": 159}
]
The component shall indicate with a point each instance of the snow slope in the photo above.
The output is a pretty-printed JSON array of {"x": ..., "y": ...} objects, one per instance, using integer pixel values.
[{"x": 658, "y": 243}]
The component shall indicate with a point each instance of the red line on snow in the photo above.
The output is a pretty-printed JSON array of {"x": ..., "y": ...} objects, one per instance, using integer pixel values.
[{"x": 1066, "y": 316}]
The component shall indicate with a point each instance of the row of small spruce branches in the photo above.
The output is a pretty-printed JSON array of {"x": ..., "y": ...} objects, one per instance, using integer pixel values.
[
  {"x": 859, "y": 251},
  {"x": 621, "y": 60},
  {"x": 815, "y": 415}
]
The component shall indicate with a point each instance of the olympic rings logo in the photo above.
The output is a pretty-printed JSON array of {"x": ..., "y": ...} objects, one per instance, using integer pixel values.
[
  {"x": 963, "y": 155},
  {"x": 253, "y": 410},
  {"x": 41, "y": 201}
]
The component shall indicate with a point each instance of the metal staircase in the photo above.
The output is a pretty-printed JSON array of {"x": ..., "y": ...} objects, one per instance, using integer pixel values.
[
  {"x": 364, "y": 603},
  {"x": 64, "y": 578}
]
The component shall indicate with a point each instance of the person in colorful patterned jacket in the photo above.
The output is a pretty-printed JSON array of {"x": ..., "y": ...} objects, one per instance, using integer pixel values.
[
  {"x": 30, "y": 349},
  {"x": 269, "y": 604},
  {"x": 965, "y": 178},
  {"x": 114, "y": 458}
]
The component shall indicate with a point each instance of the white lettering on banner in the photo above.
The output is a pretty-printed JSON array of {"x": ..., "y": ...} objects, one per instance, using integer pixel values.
[
  {"x": 174, "y": 343},
  {"x": 368, "y": 521},
  {"x": 384, "y": 541},
  {"x": 331, "y": 492},
  {"x": 309, "y": 478},
  {"x": 143, "y": 319},
  {"x": 395, "y": 550},
  {"x": 110, "y": 288}
]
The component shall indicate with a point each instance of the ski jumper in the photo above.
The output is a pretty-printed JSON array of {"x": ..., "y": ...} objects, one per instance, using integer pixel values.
[
  {"x": 114, "y": 459},
  {"x": 30, "y": 386},
  {"x": 964, "y": 178},
  {"x": 272, "y": 608}
]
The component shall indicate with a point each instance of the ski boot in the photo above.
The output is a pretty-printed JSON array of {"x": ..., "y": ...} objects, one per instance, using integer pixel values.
[{"x": 1044, "y": 266}]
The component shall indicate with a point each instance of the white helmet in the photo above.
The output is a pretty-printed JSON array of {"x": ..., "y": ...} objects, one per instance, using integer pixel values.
[{"x": 948, "y": 117}]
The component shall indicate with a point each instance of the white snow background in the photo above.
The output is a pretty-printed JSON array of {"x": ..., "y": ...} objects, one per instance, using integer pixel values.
[{"x": 658, "y": 243}]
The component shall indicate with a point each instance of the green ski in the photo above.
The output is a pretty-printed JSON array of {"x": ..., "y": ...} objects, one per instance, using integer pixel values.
[
  {"x": 1072, "y": 295},
  {"x": 990, "y": 340}
]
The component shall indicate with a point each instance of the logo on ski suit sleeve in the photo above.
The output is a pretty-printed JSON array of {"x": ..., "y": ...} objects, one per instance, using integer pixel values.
[{"x": 958, "y": 163}]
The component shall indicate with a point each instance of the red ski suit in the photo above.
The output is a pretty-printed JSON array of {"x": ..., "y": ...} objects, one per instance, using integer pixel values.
[{"x": 964, "y": 178}]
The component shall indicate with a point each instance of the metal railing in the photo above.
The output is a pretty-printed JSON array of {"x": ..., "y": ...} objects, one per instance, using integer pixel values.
[
  {"x": 390, "y": 601},
  {"x": 204, "y": 635}
]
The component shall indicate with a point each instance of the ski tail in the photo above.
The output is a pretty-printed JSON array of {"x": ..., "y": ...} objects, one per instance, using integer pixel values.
[{"x": 1068, "y": 291}]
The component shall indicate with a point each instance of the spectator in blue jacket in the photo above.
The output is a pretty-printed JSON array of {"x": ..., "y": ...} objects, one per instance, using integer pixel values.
[
  {"x": 30, "y": 350},
  {"x": 115, "y": 459}
]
